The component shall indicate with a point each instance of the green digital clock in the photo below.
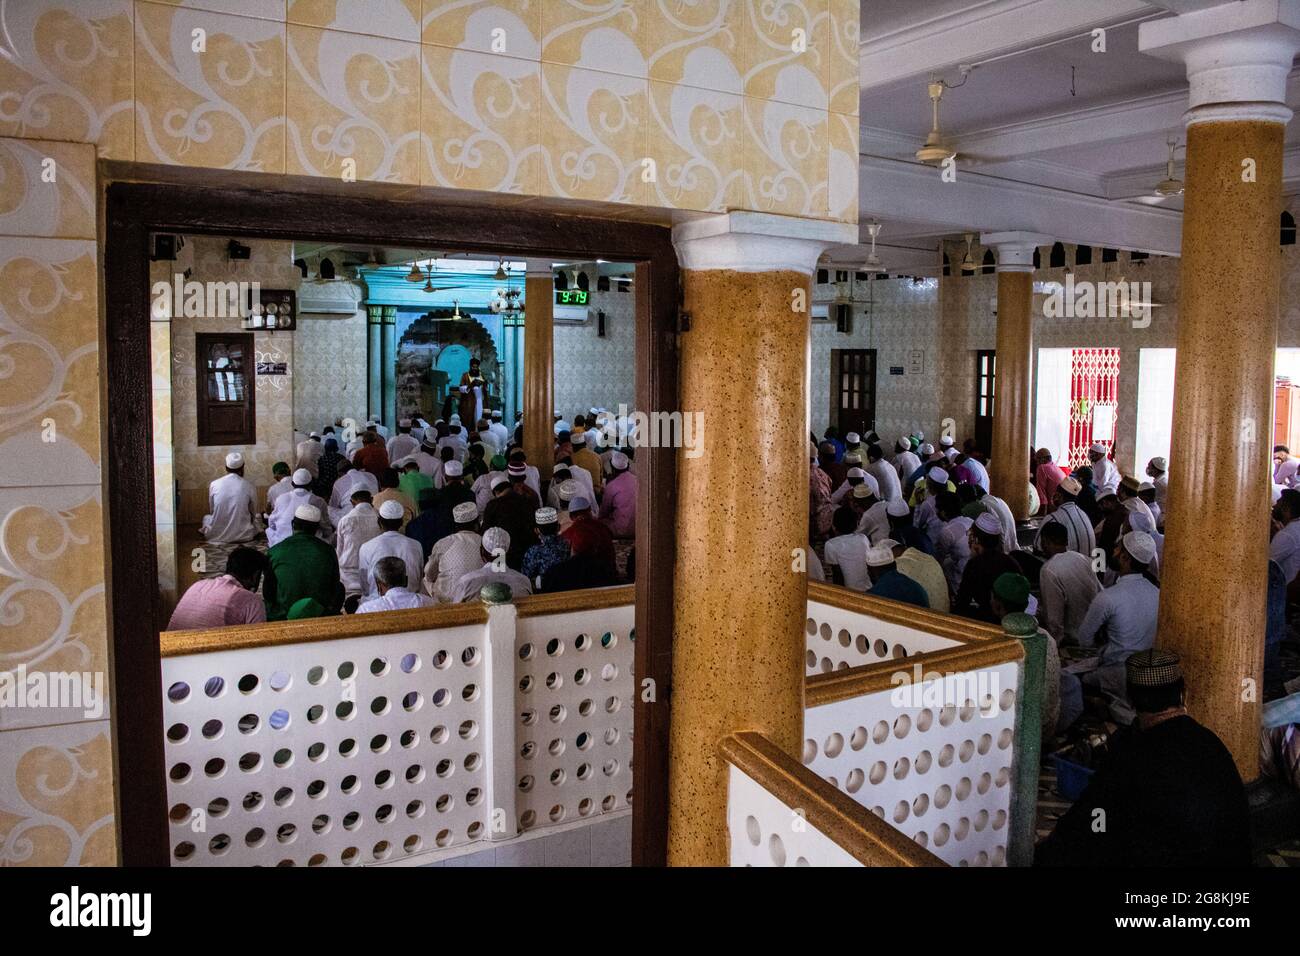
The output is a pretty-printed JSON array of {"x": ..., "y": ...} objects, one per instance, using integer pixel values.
[{"x": 571, "y": 296}]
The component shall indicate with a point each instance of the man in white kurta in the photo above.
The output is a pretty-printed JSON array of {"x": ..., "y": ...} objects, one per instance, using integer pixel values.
[
  {"x": 1067, "y": 584},
  {"x": 891, "y": 488},
  {"x": 309, "y": 453},
  {"x": 499, "y": 431},
  {"x": 1002, "y": 511},
  {"x": 906, "y": 461},
  {"x": 455, "y": 555},
  {"x": 1105, "y": 475},
  {"x": 355, "y": 528},
  {"x": 349, "y": 480},
  {"x": 402, "y": 444},
  {"x": 392, "y": 591},
  {"x": 280, "y": 525},
  {"x": 493, "y": 570},
  {"x": 232, "y": 505},
  {"x": 390, "y": 543}
]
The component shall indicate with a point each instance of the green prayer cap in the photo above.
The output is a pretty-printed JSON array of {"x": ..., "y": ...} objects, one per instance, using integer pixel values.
[
  {"x": 280, "y": 468},
  {"x": 1012, "y": 590},
  {"x": 306, "y": 607},
  {"x": 498, "y": 463}
]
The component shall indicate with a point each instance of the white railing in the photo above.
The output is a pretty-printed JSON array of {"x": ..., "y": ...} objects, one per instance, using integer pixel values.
[
  {"x": 781, "y": 814},
  {"x": 927, "y": 745},
  {"x": 847, "y": 629},
  {"x": 374, "y": 738}
]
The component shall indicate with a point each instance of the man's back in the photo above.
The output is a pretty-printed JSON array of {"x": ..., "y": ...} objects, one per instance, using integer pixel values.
[
  {"x": 1171, "y": 797},
  {"x": 302, "y": 566}
]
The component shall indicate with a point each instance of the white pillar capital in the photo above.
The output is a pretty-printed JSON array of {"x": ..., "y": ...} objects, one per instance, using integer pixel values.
[
  {"x": 1015, "y": 249},
  {"x": 1237, "y": 54},
  {"x": 539, "y": 269},
  {"x": 757, "y": 242}
]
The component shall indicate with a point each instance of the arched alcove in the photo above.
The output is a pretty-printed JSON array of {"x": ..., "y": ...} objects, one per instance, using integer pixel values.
[{"x": 431, "y": 356}]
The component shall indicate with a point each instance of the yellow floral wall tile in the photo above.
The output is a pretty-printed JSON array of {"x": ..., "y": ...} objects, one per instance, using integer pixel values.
[
  {"x": 785, "y": 159},
  {"x": 56, "y": 796},
  {"x": 695, "y": 141},
  {"x": 398, "y": 19},
  {"x": 842, "y": 67},
  {"x": 261, "y": 9},
  {"x": 594, "y": 133},
  {"x": 66, "y": 72},
  {"x": 842, "y": 175},
  {"x": 353, "y": 106},
  {"x": 481, "y": 120},
  {"x": 503, "y": 27},
  {"x": 49, "y": 362},
  {"x": 596, "y": 34},
  {"x": 696, "y": 44},
  {"x": 48, "y": 189},
  {"x": 785, "y": 47},
  {"x": 221, "y": 106},
  {"x": 52, "y": 580}
]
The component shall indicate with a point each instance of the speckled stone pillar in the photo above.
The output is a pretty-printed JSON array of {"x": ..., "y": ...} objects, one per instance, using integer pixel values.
[
  {"x": 738, "y": 645},
  {"x": 1013, "y": 395},
  {"x": 539, "y": 366},
  {"x": 1212, "y": 595}
]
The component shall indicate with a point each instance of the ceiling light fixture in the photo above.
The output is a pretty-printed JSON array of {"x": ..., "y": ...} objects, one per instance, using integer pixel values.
[
  {"x": 1169, "y": 186},
  {"x": 968, "y": 261}
]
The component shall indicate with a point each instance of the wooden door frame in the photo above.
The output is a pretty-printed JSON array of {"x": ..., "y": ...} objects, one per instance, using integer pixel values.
[
  {"x": 242, "y": 206},
  {"x": 835, "y": 372}
]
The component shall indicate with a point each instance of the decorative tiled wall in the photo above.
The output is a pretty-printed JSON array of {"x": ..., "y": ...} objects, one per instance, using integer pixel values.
[
  {"x": 597, "y": 372},
  {"x": 56, "y": 787},
  {"x": 705, "y": 106}
]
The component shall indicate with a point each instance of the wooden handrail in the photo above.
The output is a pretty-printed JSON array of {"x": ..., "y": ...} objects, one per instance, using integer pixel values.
[
  {"x": 338, "y": 627},
  {"x": 880, "y": 676},
  {"x": 951, "y": 626},
  {"x": 851, "y": 826}
]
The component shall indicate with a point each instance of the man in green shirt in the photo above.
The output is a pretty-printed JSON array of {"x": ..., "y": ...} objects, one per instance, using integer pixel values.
[
  {"x": 413, "y": 481},
  {"x": 302, "y": 566}
]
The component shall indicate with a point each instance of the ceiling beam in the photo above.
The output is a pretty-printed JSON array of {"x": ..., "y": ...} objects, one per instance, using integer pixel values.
[
  {"x": 890, "y": 189},
  {"x": 981, "y": 31}
]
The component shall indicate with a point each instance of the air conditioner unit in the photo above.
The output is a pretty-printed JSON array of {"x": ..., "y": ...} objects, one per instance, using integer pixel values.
[
  {"x": 329, "y": 299},
  {"x": 572, "y": 315}
]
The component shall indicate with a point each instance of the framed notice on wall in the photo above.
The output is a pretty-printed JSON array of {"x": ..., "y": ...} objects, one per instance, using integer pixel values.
[{"x": 916, "y": 361}]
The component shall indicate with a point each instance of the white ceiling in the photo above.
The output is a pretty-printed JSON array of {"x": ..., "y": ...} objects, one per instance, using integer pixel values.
[{"x": 1050, "y": 135}]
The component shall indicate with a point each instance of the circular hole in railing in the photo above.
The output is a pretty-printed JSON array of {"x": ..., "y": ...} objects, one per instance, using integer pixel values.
[
  {"x": 902, "y": 810},
  {"x": 439, "y": 735},
  {"x": 320, "y": 824},
  {"x": 834, "y": 745},
  {"x": 525, "y": 652},
  {"x": 349, "y": 784},
  {"x": 316, "y": 751},
  {"x": 585, "y": 806},
  {"x": 180, "y": 813},
  {"x": 383, "y": 779},
  {"x": 412, "y": 701},
  {"x": 526, "y": 783},
  {"x": 880, "y": 732},
  {"x": 315, "y": 675},
  {"x": 557, "y": 813},
  {"x": 178, "y": 692},
  {"x": 384, "y": 813},
  {"x": 379, "y": 666},
  {"x": 474, "y": 796},
  {"x": 219, "y": 844},
  {"x": 470, "y": 656},
  {"x": 344, "y": 710},
  {"x": 283, "y": 796},
  {"x": 177, "y": 733},
  {"x": 943, "y": 796},
  {"x": 557, "y": 777},
  {"x": 859, "y": 738},
  {"x": 469, "y": 693},
  {"x": 776, "y": 849},
  {"x": 468, "y": 730},
  {"x": 878, "y": 772},
  {"x": 248, "y": 723},
  {"x": 527, "y": 820},
  {"x": 441, "y": 660},
  {"x": 902, "y": 726},
  {"x": 414, "y": 773},
  {"x": 279, "y": 719},
  {"x": 923, "y": 761},
  {"x": 608, "y": 803},
  {"x": 901, "y": 767},
  {"x": 350, "y": 856},
  {"x": 415, "y": 809},
  {"x": 946, "y": 754},
  {"x": 985, "y": 744},
  {"x": 351, "y": 820},
  {"x": 283, "y": 757},
  {"x": 382, "y": 850},
  {"x": 379, "y": 706},
  {"x": 554, "y": 647},
  {"x": 252, "y": 801},
  {"x": 412, "y": 843},
  {"x": 855, "y": 780},
  {"x": 753, "y": 830},
  {"x": 216, "y": 686},
  {"x": 809, "y": 751},
  {"x": 280, "y": 680},
  {"x": 608, "y": 640},
  {"x": 966, "y": 750},
  {"x": 317, "y": 789},
  {"x": 445, "y": 767},
  {"x": 410, "y": 663},
  {"x": 963, "y": 788},
  {"x": 408, "y": 739},
  {"x": 585, "y": 707},
  {"x": 611, "y": 736},
  {"x": 250, "y": 762},
  {"x": 582, "y": 642},
  {"x": 255, "y": 837}
]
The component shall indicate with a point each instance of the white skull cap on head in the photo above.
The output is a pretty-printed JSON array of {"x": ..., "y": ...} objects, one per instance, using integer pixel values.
[
  {"x": 302, "y": 477},
  {"x": 391, "y": 510},
  {"x": 307, "y": 513}
]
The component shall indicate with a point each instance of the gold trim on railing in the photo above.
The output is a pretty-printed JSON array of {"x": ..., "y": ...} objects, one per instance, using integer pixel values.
[
  {"x": 851, "y": 826},
  {"x": 950, "y": 626},
  {"x": 274, "y": 633},
  {"x": 865, "y": 679},
  {"x": 590, "y": 599}
]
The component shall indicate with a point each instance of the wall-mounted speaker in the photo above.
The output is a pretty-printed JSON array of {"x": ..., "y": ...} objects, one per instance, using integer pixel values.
[
  {"x": 844, "y": 318},
  {"x": 600, "y": 325}
]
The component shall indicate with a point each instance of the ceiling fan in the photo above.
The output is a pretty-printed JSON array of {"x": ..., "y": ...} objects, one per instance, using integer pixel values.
[
  {"x": 873, "y": 263},
  {"x": 1168, "y": 188},
  {"x": 425, "y": 275},
  {"x": 936, "y": 150}
]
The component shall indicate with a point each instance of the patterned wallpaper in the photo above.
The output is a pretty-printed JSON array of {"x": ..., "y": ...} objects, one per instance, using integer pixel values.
[
  {"x": 706, "y": 105},
  {"x": 595, "y": 372}
]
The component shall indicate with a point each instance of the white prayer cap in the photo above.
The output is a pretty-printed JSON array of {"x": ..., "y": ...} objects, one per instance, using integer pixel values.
[
  {"x": 580, "y": 438},
  {"x": 403, "y": 423},
  {"x": 455, "y": 420},
  {"x": 558, "y": 416},
  {"x": 863, "y": 490},
  {"x": 1070, "y": 485},
  {"x": 946, "y": 441},
  {"x": 618, "y": 461},
  {"x": 951, "y": 454},
  {"x": 593, "y": 410},
  {"x": 1097, "y": 448},
  {"x": 313, "y": 435},
  {"x": 897, "y": 508},
  {"x": 308, "y": 513},
  {"x": 391, "y": 510},
  {"x": 464, "y": 513},
  {"x": 881, "y": 555},
  {"x": 870, "y": 481},
  {"x": 938, "y": 476},
  {"x": 1146, "y": 486},
  {"x": 927, "y": 449},
  {"x": 1159, "y": 464},
  {"x": 903, "y": 444},
  {"x": 579, "y": 504},
  {"x": 561, "y": 470},
  {"x": 853, "y": 458},
  {"x": 496, "y": 413},
  {"x": 569, "y": 489},
  {"x": 856, "y": 473},
  {"x": 988, "y": 523},
  {"x": 1133, "y": 504},
  {"x": 302, "y": 477},
  {"x": 562, "y": 426},
  {"x": 852, "y": 438},
  {"x": 495, "y": 540},
  {"x": 453, "y": 469},
  {"x": 1140, "y": 545},
  {"x": 236, "y": 460},
  {"x": 500, "y": 481},
  {"x": 1141, "y": 521},
  {"x": 546, "y": 516}
]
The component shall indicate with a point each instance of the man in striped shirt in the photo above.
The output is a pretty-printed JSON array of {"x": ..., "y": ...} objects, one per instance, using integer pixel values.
[{"x": 1078, "y": 529}]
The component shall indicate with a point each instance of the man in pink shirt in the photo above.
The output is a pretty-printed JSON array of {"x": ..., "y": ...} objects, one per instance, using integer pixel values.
[
  {"x": 618, "y": 503},
  {"x": 225, "y": 600}
]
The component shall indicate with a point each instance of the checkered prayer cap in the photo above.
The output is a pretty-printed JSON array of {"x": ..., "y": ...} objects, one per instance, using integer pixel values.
[{"x": 1153, "y": 668}]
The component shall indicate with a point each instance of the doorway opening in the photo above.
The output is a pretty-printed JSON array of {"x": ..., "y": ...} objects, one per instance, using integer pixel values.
[{"x": 853, "y": 390}]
